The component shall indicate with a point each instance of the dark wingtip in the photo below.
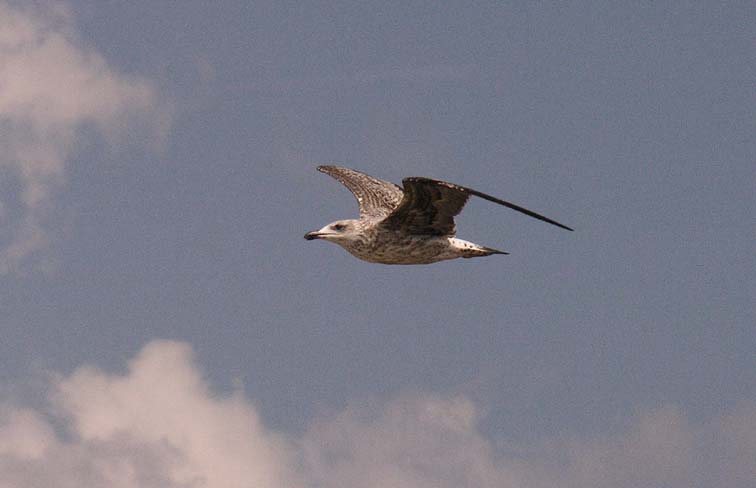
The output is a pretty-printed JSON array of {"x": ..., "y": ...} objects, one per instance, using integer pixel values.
[{"x": 485, "y": 196}]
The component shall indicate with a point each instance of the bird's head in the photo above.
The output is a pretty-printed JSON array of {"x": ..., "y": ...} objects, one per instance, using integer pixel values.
[{"x": 340, "y": 232}]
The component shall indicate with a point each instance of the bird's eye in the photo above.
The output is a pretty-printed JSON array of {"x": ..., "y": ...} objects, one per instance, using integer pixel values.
[{"x": 338, "y": 226}]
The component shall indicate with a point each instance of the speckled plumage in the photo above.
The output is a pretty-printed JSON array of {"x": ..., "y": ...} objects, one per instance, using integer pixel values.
[{"x": 409, "y": 225}]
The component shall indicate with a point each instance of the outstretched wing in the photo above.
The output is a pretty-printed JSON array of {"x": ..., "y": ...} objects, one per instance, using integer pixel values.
[
  {"x": 376, "y": 198},
  {"x": 429, "y": 207}
]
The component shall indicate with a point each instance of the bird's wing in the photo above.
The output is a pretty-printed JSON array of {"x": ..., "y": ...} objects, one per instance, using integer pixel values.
[
  {"x": 429, "y": 207},
  {"x": 376, "y": 198}
]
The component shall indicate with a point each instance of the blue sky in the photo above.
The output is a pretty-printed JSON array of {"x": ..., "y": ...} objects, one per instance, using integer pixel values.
[{"x": 164, "y": 323}]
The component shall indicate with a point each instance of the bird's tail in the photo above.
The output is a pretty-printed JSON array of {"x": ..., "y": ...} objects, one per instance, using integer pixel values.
[
  {"x": 466, "y": 249},
  {"x": 481, "y": 251}
]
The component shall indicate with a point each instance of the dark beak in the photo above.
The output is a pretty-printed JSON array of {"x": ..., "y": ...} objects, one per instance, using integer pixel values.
[{"x": 312, "y": 235}]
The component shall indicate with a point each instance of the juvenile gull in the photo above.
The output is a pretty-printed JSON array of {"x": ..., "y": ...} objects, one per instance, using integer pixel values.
[{"x": 409, "y": 225}]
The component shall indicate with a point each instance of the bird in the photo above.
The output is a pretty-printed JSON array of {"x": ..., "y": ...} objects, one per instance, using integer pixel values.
[{"x": 411, "y": 224}]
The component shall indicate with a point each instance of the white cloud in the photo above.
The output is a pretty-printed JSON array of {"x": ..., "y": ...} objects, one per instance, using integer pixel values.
[
  {"x": 159, "y": 425},
  {"x": 50, "y": 86},
  {"x": 415, "y": 441}
]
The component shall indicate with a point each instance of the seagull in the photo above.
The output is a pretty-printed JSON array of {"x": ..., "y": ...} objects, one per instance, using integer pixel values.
[{"x": 412, "y": 224}]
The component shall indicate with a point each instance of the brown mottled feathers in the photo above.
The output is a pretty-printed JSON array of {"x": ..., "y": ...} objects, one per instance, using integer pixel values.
[
  {"x": 424, "y": 207},
  {"x": 376, "y": 198},
  {"x": 429, "y": 207}
]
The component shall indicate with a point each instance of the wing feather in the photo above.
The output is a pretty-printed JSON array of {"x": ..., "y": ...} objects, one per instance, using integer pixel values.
[
  {"x": 376, "y": 198},
  {"x": 429, "y": 207}
]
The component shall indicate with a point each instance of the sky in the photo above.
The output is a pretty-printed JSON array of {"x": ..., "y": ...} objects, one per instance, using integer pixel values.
[{"x": 164, "y": 323}]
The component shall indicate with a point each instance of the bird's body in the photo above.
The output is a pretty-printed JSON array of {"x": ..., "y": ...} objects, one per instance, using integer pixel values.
[
  {"x": 392, "y": 247},
  {"x": 410, "y": 225}
]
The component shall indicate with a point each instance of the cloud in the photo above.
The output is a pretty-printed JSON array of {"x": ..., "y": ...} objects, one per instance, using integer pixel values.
[
  {"x": 413, "y": 441},
  {"x": 159, "y": 424},
  {"x": 50, "y": 87}
]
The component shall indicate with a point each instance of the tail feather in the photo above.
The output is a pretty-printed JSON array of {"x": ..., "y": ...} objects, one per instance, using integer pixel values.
[
  {"x": 491, "y": 250},
  {"x": 481, "y": 251},
  {"x": 468, "y": 249}
]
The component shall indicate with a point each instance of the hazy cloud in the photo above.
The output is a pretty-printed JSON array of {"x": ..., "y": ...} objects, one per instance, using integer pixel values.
[
  {"x": 50, "y": 86},
  {"x": 159, "y": 424}
]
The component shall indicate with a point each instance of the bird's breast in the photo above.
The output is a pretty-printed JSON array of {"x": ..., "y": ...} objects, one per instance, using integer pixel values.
[{"x": 398, "y": 248}]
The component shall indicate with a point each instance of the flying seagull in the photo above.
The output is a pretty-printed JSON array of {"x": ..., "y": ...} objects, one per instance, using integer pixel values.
[{"x": 409, "y": 225}]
